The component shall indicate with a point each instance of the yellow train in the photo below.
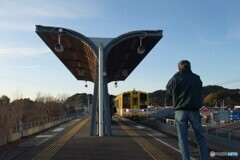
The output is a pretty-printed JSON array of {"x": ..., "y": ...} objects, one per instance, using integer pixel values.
[{"x": 132, "y": 104}]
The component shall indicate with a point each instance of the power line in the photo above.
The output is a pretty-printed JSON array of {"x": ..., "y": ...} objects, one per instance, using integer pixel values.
[{"x": 229, "y": 82}]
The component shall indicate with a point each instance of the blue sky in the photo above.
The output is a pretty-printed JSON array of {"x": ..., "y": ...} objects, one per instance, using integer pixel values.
[{"x": 207, "y": 33}]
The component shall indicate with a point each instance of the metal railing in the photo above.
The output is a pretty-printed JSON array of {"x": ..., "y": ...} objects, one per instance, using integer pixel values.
[
  {"x": 13, "y": 133},
  {"x": 226, "y": 132}
]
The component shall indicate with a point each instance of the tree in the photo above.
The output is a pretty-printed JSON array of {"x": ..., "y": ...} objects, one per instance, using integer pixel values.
[
  {"x": 229, "y": 97},
  {"x": 4, "y": 100},
  {"x": 4, "y": 114},
  {"x": 209, "y": 99}
]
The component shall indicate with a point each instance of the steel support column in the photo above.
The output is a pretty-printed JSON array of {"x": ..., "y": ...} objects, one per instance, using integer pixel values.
[
  {"x": 100, "y": 91},
  {"x": 94, "y": 121}
]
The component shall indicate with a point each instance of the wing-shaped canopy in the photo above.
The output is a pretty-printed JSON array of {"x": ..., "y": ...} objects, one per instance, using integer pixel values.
[
  {"x": 122, "y": 55},
  {"x": 80, "y": 54}
]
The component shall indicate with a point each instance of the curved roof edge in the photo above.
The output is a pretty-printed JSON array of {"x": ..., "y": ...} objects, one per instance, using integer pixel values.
[
  {"x": 80, "y": 54},
  {"x": 121, "y": 55}
]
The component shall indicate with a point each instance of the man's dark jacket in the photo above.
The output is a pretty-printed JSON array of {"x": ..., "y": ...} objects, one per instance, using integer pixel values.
[{"x": 185, "y": 89}]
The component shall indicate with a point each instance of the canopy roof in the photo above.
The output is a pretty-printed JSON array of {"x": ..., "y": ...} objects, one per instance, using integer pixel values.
[{"x": 80, "y": 54}]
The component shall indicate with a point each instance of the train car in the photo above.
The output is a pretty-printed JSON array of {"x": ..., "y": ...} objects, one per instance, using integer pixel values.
[{"x": 131, "y": 104}]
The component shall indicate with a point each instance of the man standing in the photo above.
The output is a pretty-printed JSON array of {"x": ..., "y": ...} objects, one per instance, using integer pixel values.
[{"x": 185, "y": 89}]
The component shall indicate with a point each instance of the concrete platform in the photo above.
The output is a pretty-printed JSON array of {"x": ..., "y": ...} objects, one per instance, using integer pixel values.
[
  {"x": 119, "y": 146},
  {"x": 128, "y": 141}
]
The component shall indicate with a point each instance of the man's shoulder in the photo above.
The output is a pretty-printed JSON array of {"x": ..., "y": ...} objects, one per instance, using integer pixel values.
[
  {"x": 180, "y": 75},
  {"x": 195, "y": 74},
  {"x": 177, "y": 74}
]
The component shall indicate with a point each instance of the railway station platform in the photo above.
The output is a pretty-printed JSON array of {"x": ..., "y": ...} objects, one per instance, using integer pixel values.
[{"x": 129, "y": 141}]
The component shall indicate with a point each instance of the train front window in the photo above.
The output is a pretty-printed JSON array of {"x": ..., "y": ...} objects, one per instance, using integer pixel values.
[
  {"x": 126, "y": 100},
  {"x": 135, "y": 101},
  {"x": 143, "y": 100},
  {"x": 116, "y": 103}
]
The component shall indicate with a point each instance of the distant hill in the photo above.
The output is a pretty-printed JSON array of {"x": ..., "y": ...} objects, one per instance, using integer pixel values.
[
  {"x": 211, "y": 89},
  {"x": 212, "y": 95},
  {"x": 79, "y": 100}
]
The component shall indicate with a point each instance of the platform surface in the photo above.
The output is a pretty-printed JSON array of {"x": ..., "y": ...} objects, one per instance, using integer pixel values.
[{"x": 129, "y": 141}]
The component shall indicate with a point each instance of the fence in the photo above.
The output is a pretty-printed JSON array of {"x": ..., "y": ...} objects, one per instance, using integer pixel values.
[
  {"x": 14, "y": 133},
  {"x": 226, "y": 132},
  {"x": 227, "y": 138}
]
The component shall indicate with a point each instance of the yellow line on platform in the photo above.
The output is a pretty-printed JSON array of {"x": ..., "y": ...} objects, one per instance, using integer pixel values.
[
  {"x": 47, "y": 153},
  {"x": 152, "y": 150}
]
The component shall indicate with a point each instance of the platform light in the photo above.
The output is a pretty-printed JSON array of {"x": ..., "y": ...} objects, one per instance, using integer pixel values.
[
  {"x": 141, "y": 48},
  {"x": 115, "y": 84},
  {"x": 58, "y": 47}
]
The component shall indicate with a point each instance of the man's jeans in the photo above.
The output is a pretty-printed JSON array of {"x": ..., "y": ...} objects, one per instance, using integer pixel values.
[{"x": 182, "y": 118}]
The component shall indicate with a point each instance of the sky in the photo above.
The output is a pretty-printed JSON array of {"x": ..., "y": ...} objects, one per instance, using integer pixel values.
[{"x": 207, "y": 33}]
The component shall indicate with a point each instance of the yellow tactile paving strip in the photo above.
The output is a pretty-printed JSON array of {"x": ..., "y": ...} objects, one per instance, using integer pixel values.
[
  {"x": 152, "y": 150},
  {"x": 47, "y": 153}
]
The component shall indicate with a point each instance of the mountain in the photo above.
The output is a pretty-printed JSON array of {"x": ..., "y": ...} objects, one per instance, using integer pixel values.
[
  {"x": 212, "y": 95},
  {"x": 211, "y": 89},
  {"x": 79, "y": 100}
]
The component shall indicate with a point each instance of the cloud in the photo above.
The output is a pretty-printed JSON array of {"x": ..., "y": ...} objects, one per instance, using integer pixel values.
[
  {"x": 49, "y": 9},
  {"x": 30, "y": 67},
  {"x": 35, "y": 9},
  {"x": 19, "y": 52},
  {"x": 23, "y": 15},
  {"x": 236, "y": 69},
  {"x": 229, "y": 82},
  {"x": 205, "y": 39},
  {"x": 16, "y": 26},
  {"x": 233, "y": 33}
]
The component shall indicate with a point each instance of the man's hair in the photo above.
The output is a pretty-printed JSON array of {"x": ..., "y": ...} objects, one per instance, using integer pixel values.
[{"x": 184, "y": 65}]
